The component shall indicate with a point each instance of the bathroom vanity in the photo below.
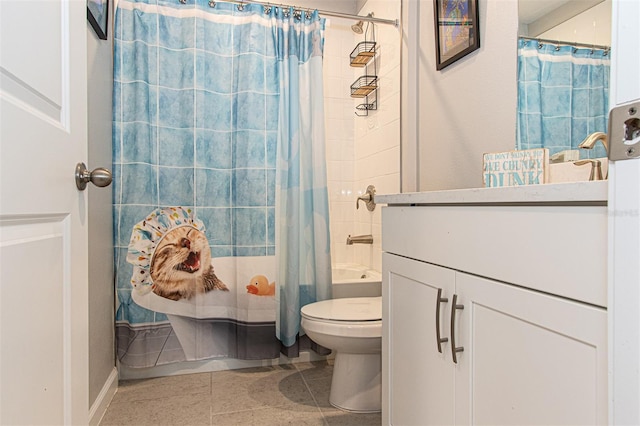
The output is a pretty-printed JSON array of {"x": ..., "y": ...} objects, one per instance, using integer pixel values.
[{"x": 494, "y": 306}]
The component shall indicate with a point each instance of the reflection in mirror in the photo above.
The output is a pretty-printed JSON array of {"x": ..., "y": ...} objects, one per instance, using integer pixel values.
[{"x": 563, "y": 74}]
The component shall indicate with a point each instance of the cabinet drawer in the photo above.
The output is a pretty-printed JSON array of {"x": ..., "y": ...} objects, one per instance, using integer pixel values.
[{"x": 560, "y": 250}]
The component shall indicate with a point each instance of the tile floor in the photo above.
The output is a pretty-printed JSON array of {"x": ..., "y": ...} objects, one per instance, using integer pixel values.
[{"x": 293, "y": 394}]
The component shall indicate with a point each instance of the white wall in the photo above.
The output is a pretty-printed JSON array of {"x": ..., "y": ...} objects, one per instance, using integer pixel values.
[
  {"x": 592, "y": 26},
  {"x": 361, "y": 151},
  {"x": 466, "y": 109},
  {"x": 339, "y": 117},
  {"x": 377, "y": 136},
  {"x": 344, "y": 6},
  {"x": 101, "y": 289},
  {"x": 469, "y": 107}
]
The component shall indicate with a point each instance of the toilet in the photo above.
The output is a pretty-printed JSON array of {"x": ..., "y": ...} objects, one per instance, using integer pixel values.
[{"x": 352, "y": 328}]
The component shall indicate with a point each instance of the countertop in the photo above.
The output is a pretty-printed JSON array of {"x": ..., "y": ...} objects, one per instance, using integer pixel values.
[{"x": 554, "y": 193}]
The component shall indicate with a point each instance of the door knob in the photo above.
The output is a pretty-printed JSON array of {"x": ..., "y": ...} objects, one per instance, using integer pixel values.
[{"x": 99, "y": 177}]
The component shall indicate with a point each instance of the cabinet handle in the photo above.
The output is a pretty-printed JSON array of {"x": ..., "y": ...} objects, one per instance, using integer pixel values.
[
  {"x": 439, "y": 339},
  {"x": 454, "y": 349}
]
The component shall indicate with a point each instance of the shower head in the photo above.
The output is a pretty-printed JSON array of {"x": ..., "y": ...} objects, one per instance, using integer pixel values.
[{"x": 357, "y": 28}]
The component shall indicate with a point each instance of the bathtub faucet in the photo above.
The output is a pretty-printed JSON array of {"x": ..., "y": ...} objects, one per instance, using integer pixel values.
[
  {"x": 359, "y": 239},
  {"x": 368, "y": 198}
]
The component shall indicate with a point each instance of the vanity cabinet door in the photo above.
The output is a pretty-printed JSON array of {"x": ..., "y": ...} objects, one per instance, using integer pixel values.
[
  {"x": 418, "y": 380},
  {"x": 529, "y": 357}
]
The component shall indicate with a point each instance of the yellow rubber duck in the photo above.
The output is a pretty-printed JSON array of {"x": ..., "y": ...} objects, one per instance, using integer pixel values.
[{"x": 259, "y": 285}]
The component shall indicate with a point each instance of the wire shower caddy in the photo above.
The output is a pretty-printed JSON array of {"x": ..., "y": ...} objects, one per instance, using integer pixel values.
[{"x": 366, "y": 86}]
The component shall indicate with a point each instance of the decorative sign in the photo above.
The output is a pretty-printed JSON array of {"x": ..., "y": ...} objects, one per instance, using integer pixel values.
[{"x": 514, "y": 168}]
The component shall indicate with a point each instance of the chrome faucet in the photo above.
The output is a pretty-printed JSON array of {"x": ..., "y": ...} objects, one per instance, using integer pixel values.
[
  {"x": 590, "y": 141},
  {"x": 359, "y": 239}
]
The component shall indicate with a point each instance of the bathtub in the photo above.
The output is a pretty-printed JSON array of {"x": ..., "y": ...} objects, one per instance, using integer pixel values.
[{"x": 353, "y": 280}]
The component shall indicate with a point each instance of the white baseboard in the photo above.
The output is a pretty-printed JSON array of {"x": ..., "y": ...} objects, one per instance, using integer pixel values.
[
  {"x": 190, "y": 367},
  {"x": 103, "y": 400}
]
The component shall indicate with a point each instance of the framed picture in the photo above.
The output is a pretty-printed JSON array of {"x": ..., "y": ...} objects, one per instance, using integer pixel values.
[
  {"x": 457, "y": 32},
  {"x": 97, "y": 14}
]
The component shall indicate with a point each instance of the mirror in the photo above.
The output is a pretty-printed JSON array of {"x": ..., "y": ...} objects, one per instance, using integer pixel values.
[
  {"x": 575, "y": 36},
  {"x": 581, "y": 21}
]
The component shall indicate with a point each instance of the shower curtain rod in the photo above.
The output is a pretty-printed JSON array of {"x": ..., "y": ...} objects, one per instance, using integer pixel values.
[
  {"x": 567, "y": 43},
  {"x": 393, "y": 22}
]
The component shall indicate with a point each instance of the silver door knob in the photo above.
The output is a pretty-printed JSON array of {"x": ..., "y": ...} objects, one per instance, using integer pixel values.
[{"x": 99, "y": 177}]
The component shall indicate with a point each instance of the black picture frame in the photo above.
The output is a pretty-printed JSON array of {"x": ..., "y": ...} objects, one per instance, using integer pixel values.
[
  {"x": 456, "y": 35},
  {"x": 98, "y": 16}
]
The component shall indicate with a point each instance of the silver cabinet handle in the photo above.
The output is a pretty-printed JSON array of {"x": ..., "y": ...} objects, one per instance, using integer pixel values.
[
  {"x": 454, "y": 349},
  {"x": 440, "y": 340}
]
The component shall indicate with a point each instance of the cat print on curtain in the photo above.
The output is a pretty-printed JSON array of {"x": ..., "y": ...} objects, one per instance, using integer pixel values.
[
  {"x": 563, "y": 96},
  {"x": 171, "y": 256},
  {"x": 198, "y": 116}
]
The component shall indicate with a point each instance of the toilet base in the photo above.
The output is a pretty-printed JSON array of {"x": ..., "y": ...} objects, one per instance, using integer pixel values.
[{"x": 356, "y": 384}]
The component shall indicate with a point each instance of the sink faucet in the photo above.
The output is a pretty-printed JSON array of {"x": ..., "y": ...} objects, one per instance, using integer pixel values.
[
  {"x": 596, "y": 168},
  {"x": 359, "y": 239},
  {"x": 590, "y": 141}
]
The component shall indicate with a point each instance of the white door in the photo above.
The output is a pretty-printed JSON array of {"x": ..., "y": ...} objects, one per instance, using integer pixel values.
[
  {"x": 43, "y": 235},
  {"x": 624, "y": 228},
  {"x": 528, "y": 357}
]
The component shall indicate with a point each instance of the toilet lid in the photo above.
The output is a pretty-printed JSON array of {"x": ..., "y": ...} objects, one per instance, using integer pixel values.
[{"x": 349, "y": 309}]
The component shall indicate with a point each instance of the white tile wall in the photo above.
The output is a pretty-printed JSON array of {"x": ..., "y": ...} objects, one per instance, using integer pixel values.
[
  {"x": 377, "y": 137},
  {"x": 340, "y": 135},
  {"x": 361, "y": 151}
]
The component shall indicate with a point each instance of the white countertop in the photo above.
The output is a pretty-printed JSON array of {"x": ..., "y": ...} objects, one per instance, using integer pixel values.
[{"x": 556, "y": 193}]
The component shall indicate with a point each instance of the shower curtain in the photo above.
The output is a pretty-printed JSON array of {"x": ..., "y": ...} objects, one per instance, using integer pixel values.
[
  {"x": 218, "y": 140},
  {"x": 563, "y": 96}
]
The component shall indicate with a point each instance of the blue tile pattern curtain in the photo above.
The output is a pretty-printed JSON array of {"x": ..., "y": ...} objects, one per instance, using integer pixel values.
[
  {"x": 218, "y": 112},
  {"x": 302, "y": 239},
  {"x": 563, "y": 96}
]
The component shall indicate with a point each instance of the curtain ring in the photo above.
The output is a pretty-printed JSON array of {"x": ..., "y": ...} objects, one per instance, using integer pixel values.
[
  {"x": 307, "y": 14},
  {"x": 540, "y": 45},
  {"x": 212, "y": 3},
  {"x": 557, "y": 48},
  {"x": 241, "y": 7},
  {"x": 267, "y": 10},
  {"x": 286, "y": 12},
  {"x": 183, "y": 1},
  {"x": 297, "y": 14}
]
